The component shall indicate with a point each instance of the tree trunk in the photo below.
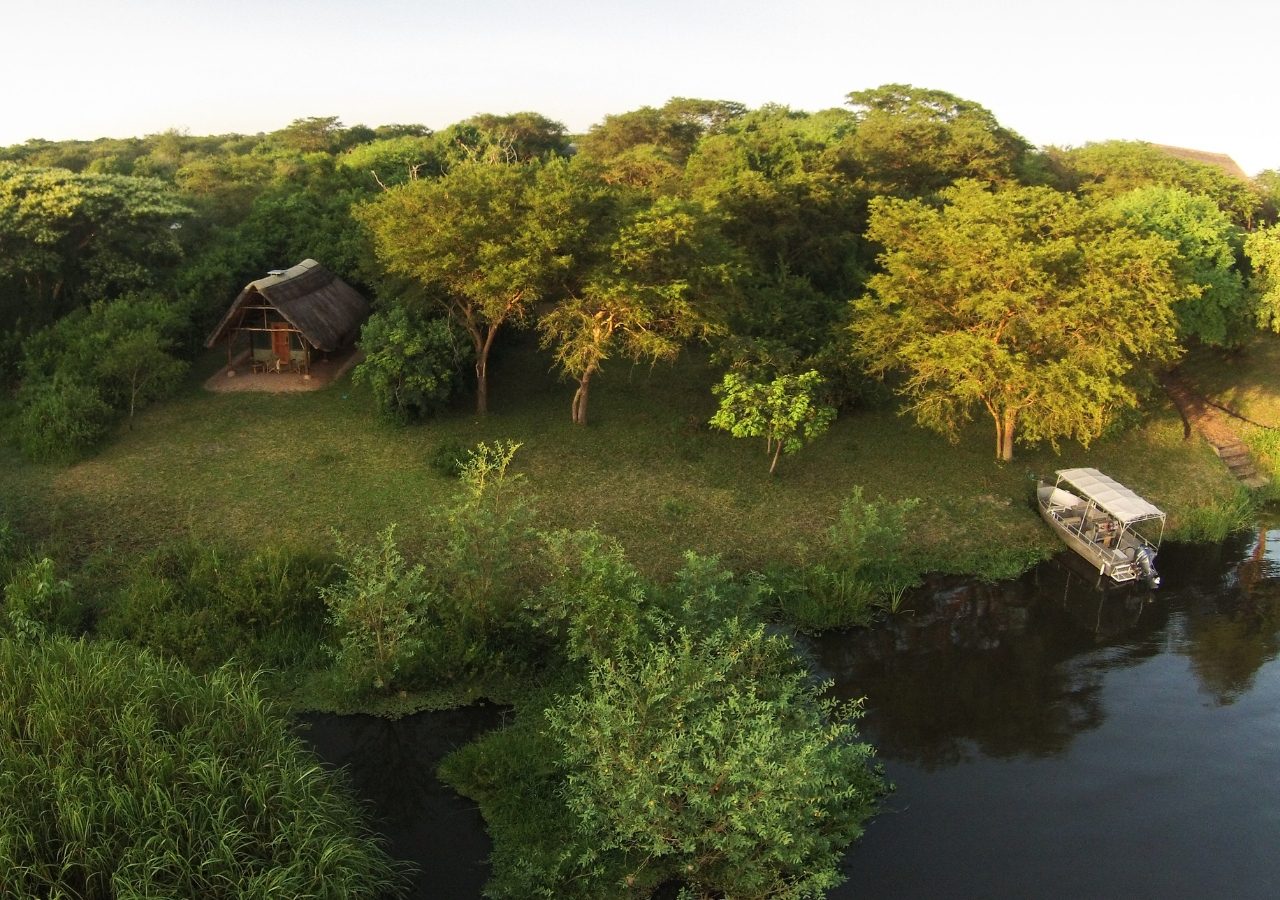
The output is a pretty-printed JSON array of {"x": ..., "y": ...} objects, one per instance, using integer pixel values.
[
  {"x": 482, "y": 368},
  {"x": 776, "y": 453},
  {"x": 1005, "y": 422},
  {"x": 482, "y": 382},
  {"x": 580, "y": 399}
]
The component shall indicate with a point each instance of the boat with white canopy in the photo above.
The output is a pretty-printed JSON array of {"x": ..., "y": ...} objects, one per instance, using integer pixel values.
[{"x": 1105, "y": 522}]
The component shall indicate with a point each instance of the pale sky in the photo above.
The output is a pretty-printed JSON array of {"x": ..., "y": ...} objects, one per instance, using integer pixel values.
[{"x": 1200, "y": 75}]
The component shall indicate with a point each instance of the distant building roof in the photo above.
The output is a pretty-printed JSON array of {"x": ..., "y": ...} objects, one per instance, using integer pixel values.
[
  {"x": 322, "y": 306},
  {"x": 1218, "y": 160}
]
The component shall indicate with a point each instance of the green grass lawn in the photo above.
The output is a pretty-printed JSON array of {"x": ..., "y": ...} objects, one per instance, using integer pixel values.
[
  {"x": 288, "y": 468},
  {"x": 1246, "y": 381}
]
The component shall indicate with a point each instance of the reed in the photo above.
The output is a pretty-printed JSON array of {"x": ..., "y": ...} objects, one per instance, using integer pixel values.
[{"x": 124, "y": 775}]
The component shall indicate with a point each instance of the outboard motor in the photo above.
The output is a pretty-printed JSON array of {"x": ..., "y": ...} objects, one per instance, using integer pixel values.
[{"x": 1146, "y": 560}]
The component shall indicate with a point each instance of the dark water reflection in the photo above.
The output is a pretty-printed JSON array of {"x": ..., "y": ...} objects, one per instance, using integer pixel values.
[
  {"x": 1047, "y": 738},
  {"x": 391, "y": 765}
]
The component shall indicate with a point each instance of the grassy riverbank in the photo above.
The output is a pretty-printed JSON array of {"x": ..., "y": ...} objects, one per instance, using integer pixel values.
[{"x": 286, "y": 469}]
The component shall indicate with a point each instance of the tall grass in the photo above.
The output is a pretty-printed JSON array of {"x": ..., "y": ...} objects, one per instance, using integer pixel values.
[
  {"x": 123, "y": 775},
  {"x": 1214, "y": 521}
]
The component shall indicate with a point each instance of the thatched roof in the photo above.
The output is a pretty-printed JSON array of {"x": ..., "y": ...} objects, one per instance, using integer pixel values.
[
  {"x": 322, "y": 306},
  {"x": 1217, "y": 160}
]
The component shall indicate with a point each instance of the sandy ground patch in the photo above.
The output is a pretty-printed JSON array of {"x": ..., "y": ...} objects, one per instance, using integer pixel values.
[{"x": 239, "y": 376}]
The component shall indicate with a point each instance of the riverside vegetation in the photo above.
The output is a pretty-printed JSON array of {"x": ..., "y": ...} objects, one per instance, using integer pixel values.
[{"x": 625, "y": 585}]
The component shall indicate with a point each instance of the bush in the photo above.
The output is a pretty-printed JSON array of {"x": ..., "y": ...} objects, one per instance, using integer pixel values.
[
  {"x": 411, "y": 364},
  {"x": 449, "y": 458},
  {"x": 203, "y": 604},
  {"x": 37, "y": 602},
  {"x": 60, "y": 419},
  {"x": 126, "y": 776},
  {"x": 868, "y": 535},
  {"x": 594, "y": 602},
  {"x": 376, "y": 613},
  {"x": 92, "y": 366},
  {"x": 713, "y": 763}
]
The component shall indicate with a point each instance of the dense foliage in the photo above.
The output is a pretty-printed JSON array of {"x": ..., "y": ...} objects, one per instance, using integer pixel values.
[
  {"x": 411, "y": 363},
  {"x": 125, "y": 776},
  {"x": 711, "y": 762},
  {"x": 1023, "y": 303},
  {"x": 661, "y": 740}
]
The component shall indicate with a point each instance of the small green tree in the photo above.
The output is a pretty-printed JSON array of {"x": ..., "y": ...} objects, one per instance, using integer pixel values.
[
  {"x": 376, "y": 612},
  {"x": 785, "y": 411},
  {"x": 594, "y": 601},
  {"x": 411, "y": 364},
  {"x": 36, "y": 600},
  {"x": 713, "y": 763}
]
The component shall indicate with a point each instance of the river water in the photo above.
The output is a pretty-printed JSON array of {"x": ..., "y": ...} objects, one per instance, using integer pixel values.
[{"x": 1047, "y": 737}]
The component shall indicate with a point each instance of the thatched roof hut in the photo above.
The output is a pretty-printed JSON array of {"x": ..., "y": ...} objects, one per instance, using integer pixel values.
[
  {"x": 290, "y": 314},
  {"x": 1218, "y": 160}
]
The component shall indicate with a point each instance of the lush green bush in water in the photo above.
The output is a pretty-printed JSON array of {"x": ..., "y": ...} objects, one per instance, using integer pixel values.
[
  {"x": 708, "y": 763},
  {"x": 127, "y": 776}
]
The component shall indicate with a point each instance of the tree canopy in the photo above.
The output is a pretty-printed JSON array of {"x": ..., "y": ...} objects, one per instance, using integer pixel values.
[
  {"x": 1022, "y": 302},
  {"x": 67, "y": 239},
  {"x": 912, "y": 142},
  {"x": 486, "y": 242},
  {"x": 1211, "y": 303}
]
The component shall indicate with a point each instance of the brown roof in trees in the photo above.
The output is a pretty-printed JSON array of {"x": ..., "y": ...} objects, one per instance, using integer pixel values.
[
  {"x": 1218, "y": 160},
  {"x": 322, "y": 306}
]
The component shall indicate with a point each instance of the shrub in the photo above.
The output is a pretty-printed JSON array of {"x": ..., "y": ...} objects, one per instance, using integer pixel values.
[
  {"x": 868, "y": 535},
  {"x": 594, "y": 602},
  {"x": 203, "y": 604},
  {"x": 449, "y": 458},
  {"x": 713, "y": 763},
  {"x": 60, "y": 419},
  {"x": 487, "y": 541},
  {"x": 376, "y": 612},
  {"x": 37, "y": 602},
  {"x": 411, "y": 364},
  {"x": 93, "y": 365},
  {"x": 127, "y": 776}
]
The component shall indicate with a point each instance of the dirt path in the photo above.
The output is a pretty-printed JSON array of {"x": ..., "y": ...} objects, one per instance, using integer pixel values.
[
  {"x": 239, "y": 376},
  {"x": 1215, "y": 426}
]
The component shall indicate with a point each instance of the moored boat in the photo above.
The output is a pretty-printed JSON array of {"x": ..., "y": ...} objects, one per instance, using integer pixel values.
[{"x": 1105, "y": 522}]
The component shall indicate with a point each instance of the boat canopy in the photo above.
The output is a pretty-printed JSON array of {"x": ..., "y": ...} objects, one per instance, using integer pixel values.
[{"x": 1110, "y": 495}]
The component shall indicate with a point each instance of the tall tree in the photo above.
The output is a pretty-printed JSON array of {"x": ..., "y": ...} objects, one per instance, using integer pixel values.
[
  {"x": 647, "y": 148},
  {"x": 912, "y": 142},
  {"x": 1024, "y": 302},
  {"x": 486, "y": 242},
  {"x": 662, "y": 276},
  {"x": 67, "y": 239}
]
